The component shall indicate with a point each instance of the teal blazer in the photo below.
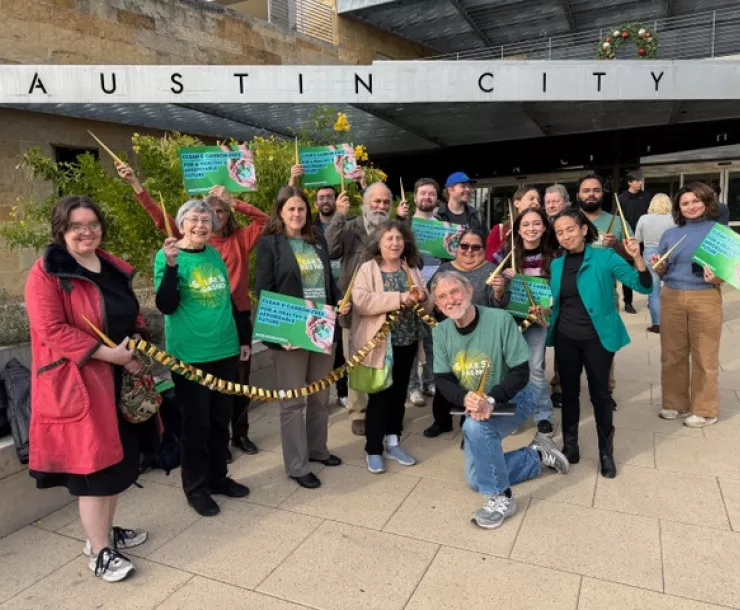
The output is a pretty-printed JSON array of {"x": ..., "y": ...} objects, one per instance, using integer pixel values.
[{"x": 601, "y": 266}]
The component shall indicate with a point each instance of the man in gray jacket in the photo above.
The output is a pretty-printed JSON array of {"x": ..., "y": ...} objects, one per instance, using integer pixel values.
[{"x": 348, "y": 238}]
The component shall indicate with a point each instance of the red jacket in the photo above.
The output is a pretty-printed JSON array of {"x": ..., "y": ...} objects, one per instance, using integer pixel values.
[{"x": 74, "y": 424}]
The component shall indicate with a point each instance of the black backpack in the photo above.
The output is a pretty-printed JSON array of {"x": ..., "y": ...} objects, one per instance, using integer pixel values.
[
  {"x": 166, "y": 455},
  {"x": 17, "y": 382},
  {"x": 4, "y": 421}
]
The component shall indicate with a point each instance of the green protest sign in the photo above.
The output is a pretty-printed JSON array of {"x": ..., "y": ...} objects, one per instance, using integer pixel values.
[
  {"x": 437, "y": 238},
  {"x": 519, "y": 302},
  {"x": 206, "y": 166},
  {"x": 322, "y": 164},
  {"x": 290, "y": 321},
  {"x": 720, "y": 251}
]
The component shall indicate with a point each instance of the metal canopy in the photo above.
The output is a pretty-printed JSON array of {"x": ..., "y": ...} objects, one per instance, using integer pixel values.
[
  {"x": 396, "y": 129},
  {"x": 450, "y": 26}
]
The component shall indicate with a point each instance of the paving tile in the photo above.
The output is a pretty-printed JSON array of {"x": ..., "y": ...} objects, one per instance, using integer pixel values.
[
  {"x": 265, "y": 431},
  {"x": 461, "y": 579},
  {"x": 161, "y": 510},
  {"x": 440, "y": 511},
  {"x": 600, "y": 595},
  {"x": 634, "y": 370},
  {"x": 590, "y": 541},
  {"x": 265, "y": 476},
  {"x": 240, "y": 546},
  {"x": 74, "y": 587},
  {"x": 731, "y": 495},
  {"x": 437, "y": 458},
  {"x": 633, "y": 447},
  {"x": 29, "y": 554},
  {"x": 577, "y": 487},
  {"x": 173, "y": 479},
  {"x": 696, "y": 455},
  {"x": 663, "y": 494},
  {"x": 340, "y": 567},
  {"x": 726, "y": 428},
  {"x": 58, "y": 519},
  {"x": 728, "y": 399},
  {"x": 701, "y": 563},
  {"x": 353, "y": 495},
  {"x": 203, "y": 594},
  {"x": 627, "y": 391},
  {"x": 644, "y": 416}
]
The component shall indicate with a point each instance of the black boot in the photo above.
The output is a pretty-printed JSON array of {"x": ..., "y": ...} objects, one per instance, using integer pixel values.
[
  {"x": 606, "y": 455},
  {"x": 570, "y": 445}
]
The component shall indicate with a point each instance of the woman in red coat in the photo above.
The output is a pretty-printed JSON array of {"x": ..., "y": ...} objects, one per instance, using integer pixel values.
[{"x": 78, "y": 439}]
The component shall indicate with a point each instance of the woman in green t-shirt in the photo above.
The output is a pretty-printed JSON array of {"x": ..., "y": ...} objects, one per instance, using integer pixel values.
[
  {"x": 292, "y": 259},
  {"x": 194, "y": 295}
]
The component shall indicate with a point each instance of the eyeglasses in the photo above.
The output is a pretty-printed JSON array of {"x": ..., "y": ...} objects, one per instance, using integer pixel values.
[
  {"x": 80, "y": 229},
  {"x": 472, "y": 247},
  {"x": 195, "y": 221}
]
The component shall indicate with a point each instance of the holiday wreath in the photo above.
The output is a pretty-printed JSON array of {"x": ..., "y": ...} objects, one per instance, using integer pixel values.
[{"x": 638, "y": 34}]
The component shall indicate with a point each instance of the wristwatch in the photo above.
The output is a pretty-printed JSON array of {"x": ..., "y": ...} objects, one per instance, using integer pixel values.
[{"x": 491, "y": 400}]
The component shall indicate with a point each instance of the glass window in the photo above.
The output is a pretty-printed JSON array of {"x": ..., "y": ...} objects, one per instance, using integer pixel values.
[
  {"x": 733, "y": 195},
  {"x": 663, "y": 184},
  {"x": 712, "y": 179}
]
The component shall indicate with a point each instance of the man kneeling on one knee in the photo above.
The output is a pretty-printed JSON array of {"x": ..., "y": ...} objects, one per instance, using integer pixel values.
[{"x": 474, "y": 340}]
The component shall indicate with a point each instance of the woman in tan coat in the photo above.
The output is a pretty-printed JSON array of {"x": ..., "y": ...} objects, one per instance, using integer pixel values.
[{"x": 382, "y": 286}]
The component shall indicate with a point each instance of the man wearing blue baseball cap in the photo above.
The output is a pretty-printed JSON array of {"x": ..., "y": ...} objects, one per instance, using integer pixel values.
[{"x": 456, "y": 210}]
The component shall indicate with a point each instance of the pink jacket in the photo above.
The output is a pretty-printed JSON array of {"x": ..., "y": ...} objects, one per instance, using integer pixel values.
[{"x": 369, "y": 308}]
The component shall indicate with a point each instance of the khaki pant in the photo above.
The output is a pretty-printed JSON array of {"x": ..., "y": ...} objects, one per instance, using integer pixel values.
[
  {"x": 555, "y": 381},
  {"x": 690, "y": 330},
  {"x": 304, "y": 422},
  {"x": 356, "y": 401}
]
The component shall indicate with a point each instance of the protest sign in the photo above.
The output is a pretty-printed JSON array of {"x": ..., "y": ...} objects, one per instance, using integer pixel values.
[
  {"x": 720, "y": 251},
  {"x": 519, "y": 302},
  {"x": 206, "y": 166},
  {"x": 322, "y": 164},
  {"x": 437, "y": 238},
  {"x": 291, "y": 321}
]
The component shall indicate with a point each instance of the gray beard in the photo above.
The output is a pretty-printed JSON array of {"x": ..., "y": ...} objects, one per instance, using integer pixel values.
[{"x": 373, "y": 219}]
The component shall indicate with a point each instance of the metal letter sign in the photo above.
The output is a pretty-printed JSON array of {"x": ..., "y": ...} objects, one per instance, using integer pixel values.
[{"x": 383, "y": 82}]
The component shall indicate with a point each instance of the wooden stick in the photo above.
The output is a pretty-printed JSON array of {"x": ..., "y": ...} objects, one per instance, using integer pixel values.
[
  {"x": 664, "y": 258},
  {"x": 513, "y": 245},
  {"x": 625, "y": 226},
  {"x": 611, "y": 222},
  {"x": 167, "y": 226},
  {"x": 482, "y": 383},
  {"x": 105, "y": 148},
  {"x": 527, "y": 289},
  {"x": 498, "y": 269},
  {"x": 403, "y": 193},
  {"x": 297, "y": 156},
  {"x": 341, "y": 174},
  {"x": 103, "y": 337},
  {"x": 348, "y": 293}
]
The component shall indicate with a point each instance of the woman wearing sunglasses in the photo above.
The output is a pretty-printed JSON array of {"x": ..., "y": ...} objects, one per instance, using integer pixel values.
[{"x": 470, "y": 262}]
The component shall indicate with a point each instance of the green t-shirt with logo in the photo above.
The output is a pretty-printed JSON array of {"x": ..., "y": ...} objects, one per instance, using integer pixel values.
[
  {"x": 602, "y": 224},
  {"x": 202, "y": 328},
  {"x": 312, "y": 270},
  {"x": 495, "y": 340}
]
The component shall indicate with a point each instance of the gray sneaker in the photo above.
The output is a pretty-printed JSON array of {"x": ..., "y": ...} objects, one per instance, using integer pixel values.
[
  {"x": 550, "y": 455},
  {"x": 495, "y": 511},
  {"x": 375, "y": 464},
  {"x": 120, "y": 538},
  {"x": 110, "y": 565},
  {"x": 402, "y": 457}
]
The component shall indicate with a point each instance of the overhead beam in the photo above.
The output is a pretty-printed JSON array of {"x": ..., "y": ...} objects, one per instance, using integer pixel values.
[
  {"x": 676, "y": 111},
  {"x": 391, "y": 119},
  {"x": 565, "y": 5},
  {"x": 538, "y": 121},
  {"x": 475, "y": 27},
  {"x": 220, "y": 115}
]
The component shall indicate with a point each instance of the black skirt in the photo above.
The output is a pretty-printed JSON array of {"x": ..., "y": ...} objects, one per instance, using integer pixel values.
[{"x": 107, "y": 482}]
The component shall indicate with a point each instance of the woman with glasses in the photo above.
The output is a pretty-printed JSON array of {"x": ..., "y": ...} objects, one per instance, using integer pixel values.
[
  {"x": 234, "y": 243},
  {"x": 470, "y": 262},
  {"x": 533, "y": 253},
  {"x": 78, "y": 437},
  {"x": 690, "y": 312},
  {"x": 200, "y": 326}
]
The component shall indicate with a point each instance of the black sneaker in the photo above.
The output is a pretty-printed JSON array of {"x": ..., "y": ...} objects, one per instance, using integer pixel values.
[
  {"x": 245, "y": 445},
  {"x": 556, "y": 398},
  {"x": 545, "y": 427},
  {"x": 435, "y": 430},
  {"x": 204, "y": 504},
  {"x": 629, "y": 308},
  {"x": 232, "y": 489}
]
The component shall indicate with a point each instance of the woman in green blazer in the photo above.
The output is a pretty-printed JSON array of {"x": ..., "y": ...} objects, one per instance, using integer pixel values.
[{"x": 585, "y": 326}]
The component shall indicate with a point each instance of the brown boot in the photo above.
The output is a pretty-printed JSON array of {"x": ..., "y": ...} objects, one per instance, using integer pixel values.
[{"x": 358, "y": 427}]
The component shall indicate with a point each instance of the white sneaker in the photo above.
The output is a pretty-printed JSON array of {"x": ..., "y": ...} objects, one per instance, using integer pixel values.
[
  {"x": 429, "y": 390},
  {"x": 120, "y": 538},
  {"x": 110, "y": 565},
  {"x": 697, "y": 421},
  {"x": 417, "y": 398},
  {"x": 495, "y": 511},
  {"x": 673, "y": 414},
  {"x": 343, "y": 402}
]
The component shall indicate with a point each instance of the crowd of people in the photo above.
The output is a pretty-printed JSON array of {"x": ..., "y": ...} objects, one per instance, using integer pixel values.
[{"x": 478, "y": 362}]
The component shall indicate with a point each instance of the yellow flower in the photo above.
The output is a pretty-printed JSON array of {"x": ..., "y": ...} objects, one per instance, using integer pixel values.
[
  {"x": 382, "y": 176},
  {"x": 360, "y": 153},
  {"x": 342, "y": 123},
  {"x": 136, "y": 149}
]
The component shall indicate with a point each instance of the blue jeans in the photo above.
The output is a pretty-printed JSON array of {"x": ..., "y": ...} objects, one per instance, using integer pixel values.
[
  {"x": 654, "y": 296},
  {"x": 488, "y": 469},
  {"x": 427, "y": 370},
  {"x": 535, "y": 337}
]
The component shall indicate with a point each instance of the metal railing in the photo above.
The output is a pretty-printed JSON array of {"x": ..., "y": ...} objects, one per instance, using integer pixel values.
[
  {"x": 697, "y": 36},
  {"x": 308, "y": 17}
]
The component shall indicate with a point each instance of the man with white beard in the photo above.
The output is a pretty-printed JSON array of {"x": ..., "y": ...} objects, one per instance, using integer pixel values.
[
  {"x": 348, "y": 238},
  {"x": 471, "y": 342}
]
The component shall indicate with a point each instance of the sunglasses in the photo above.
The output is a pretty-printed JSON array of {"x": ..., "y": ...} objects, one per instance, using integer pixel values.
[{"x": 472, "y": 247}]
